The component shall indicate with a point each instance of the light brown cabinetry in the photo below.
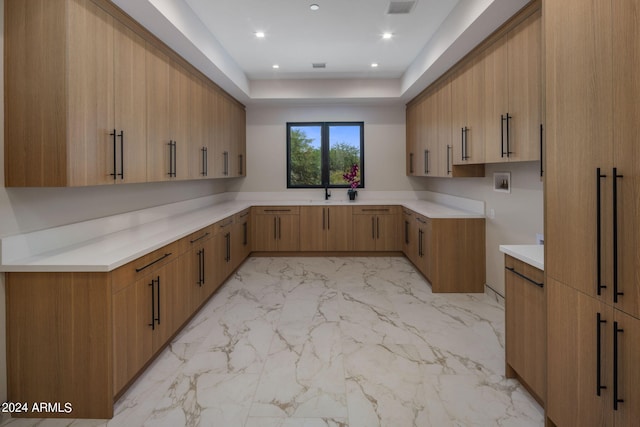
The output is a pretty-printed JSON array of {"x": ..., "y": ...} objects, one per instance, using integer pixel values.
[
  {"x": 409, "y": 241},
  {"x": 241, "y": 242},
  {"x": 276, "y": 228},
  {"x": 325, "y": 228},
  {"x": 99, "y": 100},
  {"x": 376, "y": 228},
  {"x": 525, "y": 326},
  {"x": 513, "y": 93},
  {"x": 201, "y": 273},
  {"x": 467, "y": 113},
  {"x": 591, "y": 222}
]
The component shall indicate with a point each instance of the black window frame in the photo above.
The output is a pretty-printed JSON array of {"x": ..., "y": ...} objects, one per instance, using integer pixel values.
[{"x": 324, "y": 147}]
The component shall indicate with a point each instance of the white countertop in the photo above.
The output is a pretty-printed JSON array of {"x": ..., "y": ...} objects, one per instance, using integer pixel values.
[
  {"x": 531, "y": 254},
  {"x": 99, "y": 245}
]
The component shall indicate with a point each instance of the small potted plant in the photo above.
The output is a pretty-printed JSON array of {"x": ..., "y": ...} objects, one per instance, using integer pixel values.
[{"x": 352, "y": 178}]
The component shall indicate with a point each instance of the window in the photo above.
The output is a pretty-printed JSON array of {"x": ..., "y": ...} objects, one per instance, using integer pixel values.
[{"x": 318, "y": 154}]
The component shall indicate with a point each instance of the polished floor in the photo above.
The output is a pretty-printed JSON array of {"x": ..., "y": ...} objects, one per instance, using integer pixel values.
[{"x": 329, "y": 342}]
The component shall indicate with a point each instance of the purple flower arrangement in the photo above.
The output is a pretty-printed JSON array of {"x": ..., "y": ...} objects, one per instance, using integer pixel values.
[{"x": 352, "y": 177}]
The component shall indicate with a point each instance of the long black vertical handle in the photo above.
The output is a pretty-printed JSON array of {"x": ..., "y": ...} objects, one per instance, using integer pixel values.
[
  {"x": 448, "y": 160},
  {"x": 204, "y": 280},
  {"x": 158, "y": 300},
  {"x": 406, "y": 232},
  {"x": 426, "y": 162},
  {"x": 226, "y": 163},
  {"x": 616, "y": 398},
  {"x": 616, "y": 293},
  {"x": 462, "y": 156},
  {"x": 373, "y": 227},
  {"x": 599, "y": 322},
  {"x": 241, "y": 164},
  {"x": 323, "y": 218},
  {"x": 153, "y": 304},
  {"x": 121, "y": 174},
  {"x": 328, "y": 218},
  {"x": 245, "y": 239},
  {"x": 204, "y": 161},
  {"x": 378, "y": 226},
  {"x": 115, "y": 156},
  {"x": 502, "y": 120},
  {"x": 175, "y": 158},
  {"x": 170, "y": 144},
  {"x": 227, "y": 238},
  {"x": 509, "y": 152},
  {"x": 410, "y": 163},
  {"x": 599, "y": 176},
  {"x": 279, "y": 228},
  {"x": 541, "y": 150},
  {"x": 275, "y": 228},
  {"x": 199, "y": 282}
]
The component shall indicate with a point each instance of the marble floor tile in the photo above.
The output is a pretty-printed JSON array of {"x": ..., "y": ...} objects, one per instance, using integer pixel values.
[{"x": 329, "y": 342}]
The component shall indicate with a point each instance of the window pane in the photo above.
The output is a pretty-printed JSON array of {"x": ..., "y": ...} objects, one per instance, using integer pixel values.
[
  {"x": 344, "y": 152},
  {"x": 305, "y": 155}
]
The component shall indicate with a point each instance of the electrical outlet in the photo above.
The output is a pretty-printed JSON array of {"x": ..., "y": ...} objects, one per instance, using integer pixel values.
[{"x": 492, "y": 213}]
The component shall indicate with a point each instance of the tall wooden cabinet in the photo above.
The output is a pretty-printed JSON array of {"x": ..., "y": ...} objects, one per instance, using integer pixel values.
[
  {"x": 467, "y": 114},
  {"x": 592, "y": 188}
]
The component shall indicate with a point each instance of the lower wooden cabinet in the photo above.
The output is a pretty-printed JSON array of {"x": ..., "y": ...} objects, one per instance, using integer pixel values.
[
  {"x": 376, "y": 228},
  {"x": 276, "y": 228},
  {"x": 525, "y": 326},
  {"x": 325, "y": 228},
  {"x": 409, "y": 240},
  {"x": 593, "y": 369},
  {"x": 241, "y": 237}
]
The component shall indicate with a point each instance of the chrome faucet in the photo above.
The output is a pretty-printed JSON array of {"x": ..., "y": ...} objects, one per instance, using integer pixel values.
[{"x": 327, "y": 193}]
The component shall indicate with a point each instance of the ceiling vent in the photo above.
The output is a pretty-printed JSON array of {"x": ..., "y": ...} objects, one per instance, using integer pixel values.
[
  {"x": 319, "y": 65},
  {"x": 400, "y": 7}
]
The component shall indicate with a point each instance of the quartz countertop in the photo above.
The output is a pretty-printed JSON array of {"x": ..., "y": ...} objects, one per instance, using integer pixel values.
[
  {"x": 58, "y": 250},
  {"x": 531, "y": 254}
]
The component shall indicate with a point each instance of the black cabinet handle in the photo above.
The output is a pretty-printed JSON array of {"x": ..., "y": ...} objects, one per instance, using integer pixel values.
[
  {"x": 378, "y": 226},
  {"x": 225, "y": 225},
  {"x": 373, "y": 227},
  {"x": 204, "y": 161},
  {"x": 328, "y": 219},
  {"x": 420, "y": 243},
  {"x": 245, "y": 233},
  {"x": 411, "y": 163},
  {"x": 323, "y": 218},
  {"x": 227, "y": 238},
  {"x": 375, "y": 210},
  {"x": 513, "y": 270},
  {"x": 426, "y": 162},
  {"x": 199, "y": 238},
  {"x": 421, "y": 220},
  {"x": 275, "y": 228},
  {"x": 406, "y": 232},
  {"x": 599, "y": 386},
  {"x": 541, "y": 150},
  {"x": 153, "y": 304},
  {"x": 599, "y": 176},
  {"x": 138, "y": 270},
  {"x": 203, "y": 264},
  {"x": 121, "y": 136},
  {"x": 463, "y": 142},
  {"x": 509, "y": 152},
  {"x": 172, "y": 158},
  {"x": 199, "y": 282},
  {"x": 277, "y": 210},
  {"x": 115, "y": 156},
  {"x": 616, "y": 397},
  {"x": 158, "y": 301},
  {"x": 226, "y": 163},
  {"x": 502, "y": 120},
  {"x": 240, "y": 164},
  {"x": 448, "y": 159},
  {"x": 616, "y": 293}
]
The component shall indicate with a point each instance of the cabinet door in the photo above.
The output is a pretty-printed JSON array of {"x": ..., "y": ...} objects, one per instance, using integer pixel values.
[
  {"x": 364, "y": 232},
  {"x": 201, "y": 129},
  {"x": 237, "y": 144},
  {"x": 130, "y": 102},
  {"x": 626, "y": 92},
  {"x": 288, "y": 232},
  {"x": 525, "y": 325},
  {"x": 159, "y": 151},
  {"x": 430, "y": 161},
  {"x": 578, "y": 140},
  {"x": 572, "y": 371},
  {"x": 179, "y": 113},
  {"x": 475, "y": 138},
  {"x": 628, "y": 369},
  {"x": 90, "y": 95},
  {"x": 313, "y": 225},
  {"x": 222, "y": 149},
  {"x": 524, "y": 68},
  {"x": 126, "y": 356},
  {"x": 494, "y": 60},
  {"x": 338, "y": 232},
  {"x": 444, "y": 127},
  {"x": 409, "y": 247},
  {"x": 460, "y": 84},
  {"x": 265, "y": 232},
  {"x": 412, "y": 139},
  {"x": 146, "y": 306},
  {"x": 388, "y": 233}
]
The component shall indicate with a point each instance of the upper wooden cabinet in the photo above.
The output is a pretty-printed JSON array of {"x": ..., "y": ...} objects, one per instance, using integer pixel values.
[
  {"x": 97, "y": 100},
  {"x": 467, "y": 114},
  {"x": 513, "y": 93}
]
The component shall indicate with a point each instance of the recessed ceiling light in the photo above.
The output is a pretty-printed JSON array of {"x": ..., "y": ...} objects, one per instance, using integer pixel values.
[
  {"x": 374, "y": 65},
  {"x": 314, "y": 7},
  {"x": 387, "y": 36},
  {"x": 275, "y": 66},
  {"x": 260, "y": 34}
]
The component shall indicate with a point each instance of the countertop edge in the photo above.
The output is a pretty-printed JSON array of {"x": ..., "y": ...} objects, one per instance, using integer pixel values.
[{"x": 530, "y": 254}]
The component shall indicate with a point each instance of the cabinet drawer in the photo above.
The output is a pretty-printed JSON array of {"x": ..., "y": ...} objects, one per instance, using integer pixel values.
[
  {"x": 242, "y": 215},
  {"x": 523, "y": 269},
  {"x": 200, "y": 236},
  {"x": 223, "y": 225},
  {"x": 277, "y": 210},
  {"x": 376, "y": 210},
  {"x": 146, "y": 264}
]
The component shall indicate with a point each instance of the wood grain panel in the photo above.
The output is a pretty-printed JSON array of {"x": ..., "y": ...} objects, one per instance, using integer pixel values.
[{"x": 158, "y": 117}]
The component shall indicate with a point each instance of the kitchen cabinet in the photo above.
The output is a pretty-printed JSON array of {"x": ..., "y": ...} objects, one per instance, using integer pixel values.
[
  {"x": 168, "y": 139},
  {"x": 276, "y": 228},
  {"x": 325, "y": 228},
  {"x": 75, "y": 101},
  {"x": 423, "y": 237},
  {"x": 238, "y": 151},
  {"x": 409, "y": 241},
  {"x": 591, "y": 198},
  {"x": 513, "y": 93},
  {"x": 202, "y": 277},
  {"x": 241, "y": 242},
  {"x": 467, "y": 113},
  {"x": 223, "y": 249},
  {"x": 376, "y": 228},
  {"x": 525, "y": 326},
  {"x": 412, "y": 120}
]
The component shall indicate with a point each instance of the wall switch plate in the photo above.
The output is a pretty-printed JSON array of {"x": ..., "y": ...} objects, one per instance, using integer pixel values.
[{"x": 539, "y": 239}]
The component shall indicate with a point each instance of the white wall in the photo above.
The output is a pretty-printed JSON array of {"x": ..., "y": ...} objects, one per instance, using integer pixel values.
[
  {"x": 518, "y": 215},
  {"x": 384, "y": 145}
]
